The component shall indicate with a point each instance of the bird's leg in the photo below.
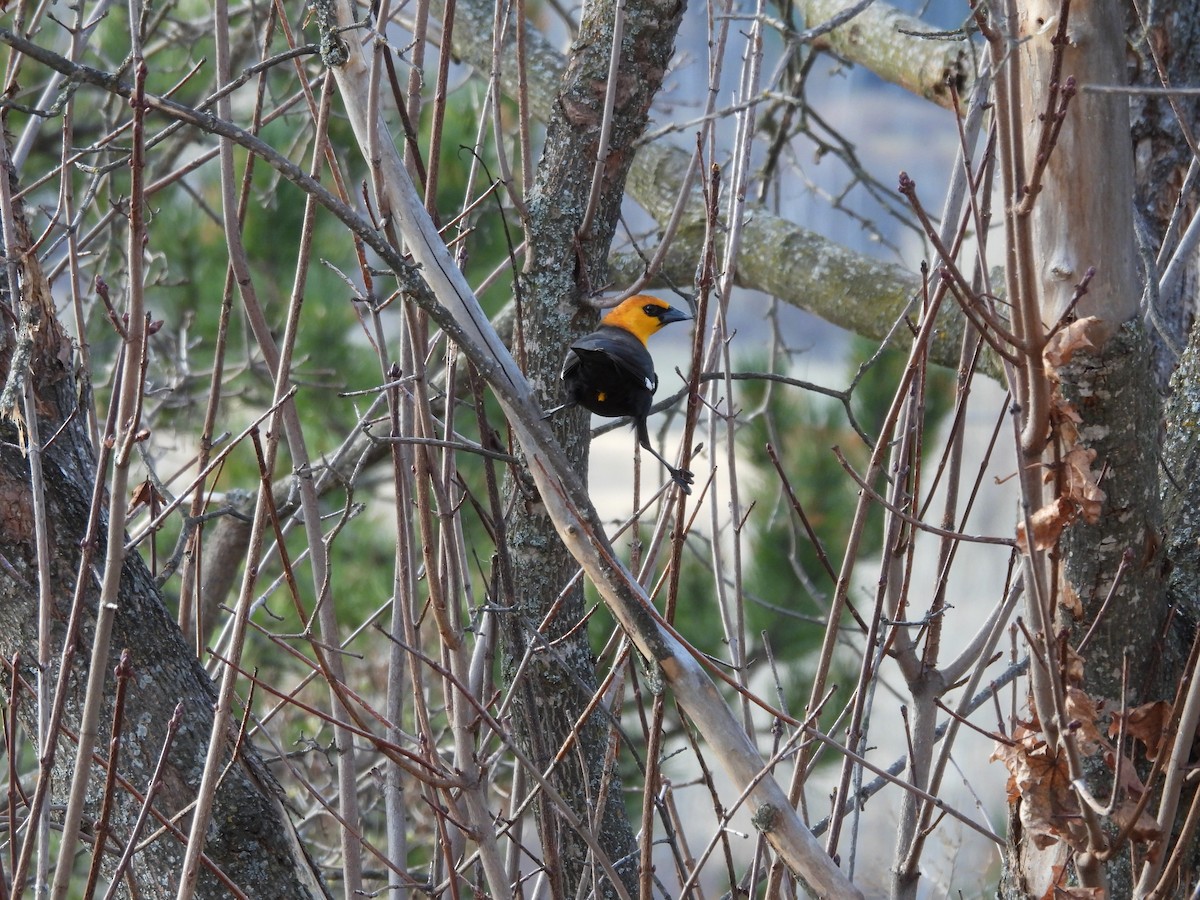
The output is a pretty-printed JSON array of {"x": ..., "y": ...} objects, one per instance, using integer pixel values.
[{"x": 681, "y": 477}]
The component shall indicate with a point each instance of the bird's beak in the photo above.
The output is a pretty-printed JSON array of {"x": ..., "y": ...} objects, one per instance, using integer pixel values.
[{"x": 671, "y": 314}]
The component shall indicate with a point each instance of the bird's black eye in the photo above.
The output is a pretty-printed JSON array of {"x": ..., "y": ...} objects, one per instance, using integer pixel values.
[{"x": 652, "y": 310}]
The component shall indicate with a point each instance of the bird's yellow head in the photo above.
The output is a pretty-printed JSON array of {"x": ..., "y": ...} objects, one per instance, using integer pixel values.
[{"x": 642, "y": 315}]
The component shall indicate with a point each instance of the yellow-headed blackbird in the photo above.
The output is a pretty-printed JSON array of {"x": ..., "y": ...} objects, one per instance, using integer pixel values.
[{"x": 610, "y": 372}]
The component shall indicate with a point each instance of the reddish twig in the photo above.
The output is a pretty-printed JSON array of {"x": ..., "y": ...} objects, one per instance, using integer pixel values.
[{"x": 123, "y": 672}]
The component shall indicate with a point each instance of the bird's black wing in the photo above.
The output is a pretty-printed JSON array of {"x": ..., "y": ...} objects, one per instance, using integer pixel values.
[{"x": 615, "y": 347}]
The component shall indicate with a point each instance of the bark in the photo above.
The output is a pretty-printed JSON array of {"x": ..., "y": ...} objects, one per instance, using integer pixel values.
[
  {"x": 1082, "y": 220},
  {"x": 890, "y": 44},
  {"x": 1118, "y": 565},
  {"x": 1149, "y": 511},
  {"x": 1162, "y": 158},
  {"x": 252, "y": 840},
  {"x": 1109, "y": 387},
  {"x": 1181, "y": 505},
  {"x": 1113, "y": 390}
]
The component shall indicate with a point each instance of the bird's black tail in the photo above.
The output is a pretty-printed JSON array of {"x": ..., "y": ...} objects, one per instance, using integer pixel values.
[{"x": 558, "y": 409}]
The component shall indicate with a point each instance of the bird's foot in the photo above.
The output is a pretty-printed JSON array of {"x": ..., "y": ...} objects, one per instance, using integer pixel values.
[{"x": 683, "y": 478}]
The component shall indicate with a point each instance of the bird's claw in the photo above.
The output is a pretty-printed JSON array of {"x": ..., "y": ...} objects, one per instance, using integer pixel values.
[{"x": 684, "y": 479}]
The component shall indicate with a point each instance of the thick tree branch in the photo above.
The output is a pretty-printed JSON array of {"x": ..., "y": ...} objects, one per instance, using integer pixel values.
[{"x": 800, "y": 267}]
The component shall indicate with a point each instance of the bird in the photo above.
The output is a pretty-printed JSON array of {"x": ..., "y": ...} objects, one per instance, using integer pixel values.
[{"x": 610, "y": 372}]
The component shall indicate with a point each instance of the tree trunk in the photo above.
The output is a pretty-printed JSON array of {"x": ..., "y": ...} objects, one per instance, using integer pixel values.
[
  {"x": 252, "y": 841},
  {"x": 1083, "y": 219},
  {"x": 1162, "y": 159},
  {"x": 558, "y": 685}
]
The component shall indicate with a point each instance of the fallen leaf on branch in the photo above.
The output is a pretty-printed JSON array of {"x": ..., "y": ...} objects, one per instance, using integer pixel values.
[
  {"x": 1143, "y": 830},
  {"x": 1064, "y": 417},
  {"x": 1082, "y": 711},
  {"x": 1145, "y": 723},
  {"x": 1073, "y": 892},
  {"x": 1038, "y": 778},
  {"x": 1074, "y": 666},
  {"x": 1068, "y": 598},
  {"x": 1082, "y": 334},
  {"x": 1081, "y": 487},
  {"x": 1048, "y": 523}
]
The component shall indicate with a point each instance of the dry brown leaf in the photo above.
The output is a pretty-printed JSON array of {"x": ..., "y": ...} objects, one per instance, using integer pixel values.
[
  {"x": 1074, "y": 666},
  {"x": 1048, "y": 810},
  {"x": 1048, "y": 523},
  {"x": 1082, "y": 334},
  {"x": 145, "y": 493},
  {"x": 1064, "y": 417},
  {"x": 1058, "y": 876},
  {"x": 1068, "y": 434},
  {"x": 1082, "y": 711},
  {"x": 1131, "y": 783},
  {"x": 1145, "y": 830},
  {"x": 1081, "y": 487},
  {"x": 1068, "y": 599},
  {"x": 1065, "y": 410},
  {"x": 1082, "y": 497},
  {"x": 1074, "y": 892},
  {"x": 1145, "y": 723}
]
